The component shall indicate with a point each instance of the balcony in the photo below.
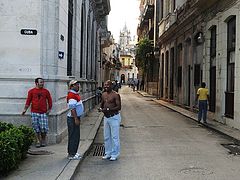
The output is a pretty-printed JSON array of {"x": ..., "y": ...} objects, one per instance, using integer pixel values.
[
  {"x": 167, "y": 22},
  {"x": 103, "y": 7},
  {"x": 203, "y": 4},
  {"x": 148, "y": 13},
  {"x": 106, "y": 39}
]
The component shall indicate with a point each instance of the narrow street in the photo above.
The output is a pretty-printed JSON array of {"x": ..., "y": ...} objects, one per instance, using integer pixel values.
[{"x": 160, "y": 144}]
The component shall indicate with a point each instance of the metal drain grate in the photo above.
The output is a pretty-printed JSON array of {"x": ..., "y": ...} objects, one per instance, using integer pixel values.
[
  {"x": 98, "y": 150},
  {"x": 233, "y": 148}
]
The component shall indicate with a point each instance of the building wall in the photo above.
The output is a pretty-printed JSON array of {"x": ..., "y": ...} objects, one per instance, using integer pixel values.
[
  {"x": 129, "y": 70},
  {"x": 221, "y": 64},
  {"x": 190, "y": 23},
  {"x": 26, "y": 57}
]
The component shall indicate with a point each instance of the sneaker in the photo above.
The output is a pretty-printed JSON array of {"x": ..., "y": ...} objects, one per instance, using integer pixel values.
[
  {"x": 106, "y": 157},
  {"x": 113, "y": 159},
  {"x": 77, "y": 154},
  {"x": 75, "y": 157}
]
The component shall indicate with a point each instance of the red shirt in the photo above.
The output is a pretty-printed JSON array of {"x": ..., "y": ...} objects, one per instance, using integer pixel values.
[
  {"x": 73, "y": 95},
  {"x": 40, "y": 100}
]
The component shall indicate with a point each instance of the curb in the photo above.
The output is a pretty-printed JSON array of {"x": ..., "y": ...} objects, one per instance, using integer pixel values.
[
  {"x": 209, "y": 126},
  {"x": 71, "y": 167},
  {"x": 236, "y": 140}
]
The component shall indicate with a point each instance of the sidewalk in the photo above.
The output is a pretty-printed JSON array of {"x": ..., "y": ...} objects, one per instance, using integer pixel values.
[
  {"x": 211, "y": 124},
  {"x": 54, "y": 165}
]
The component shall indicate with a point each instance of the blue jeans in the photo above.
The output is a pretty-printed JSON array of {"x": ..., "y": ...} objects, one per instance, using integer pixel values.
[
  {"x": 202, "y": 110},
  {"x": 111, "y": 135},
  {"x": 73, "y": 136}
]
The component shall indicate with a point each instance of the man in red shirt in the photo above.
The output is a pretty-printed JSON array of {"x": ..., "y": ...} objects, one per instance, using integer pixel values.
[{"x": 41, "y": 103}]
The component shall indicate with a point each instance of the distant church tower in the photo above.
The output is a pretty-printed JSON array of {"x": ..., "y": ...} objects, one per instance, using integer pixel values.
[
  {"x": 129, "y": 71},
  {"x": 125, "y": 38}
]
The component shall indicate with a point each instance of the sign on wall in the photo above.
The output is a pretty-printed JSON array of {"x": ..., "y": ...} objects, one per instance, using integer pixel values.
[
  {"x": 60, "y": 54},
  {"x": 28, "y": 31}
]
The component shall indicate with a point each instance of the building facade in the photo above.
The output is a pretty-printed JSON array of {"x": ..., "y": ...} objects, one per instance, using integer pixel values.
[
  {"x": 147, "y": 28},
  {"x": 111, "y": 63},
  {"x": 55, "y": 40},
  {"x": 199, "y": 41},
  {"x": 129, "y": 71}
]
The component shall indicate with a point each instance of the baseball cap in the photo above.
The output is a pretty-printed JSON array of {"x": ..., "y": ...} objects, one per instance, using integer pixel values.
[{"x": 72, "y": 82}]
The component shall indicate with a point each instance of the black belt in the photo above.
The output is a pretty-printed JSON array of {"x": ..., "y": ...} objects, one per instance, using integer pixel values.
[{"x": 111, "y": 115}]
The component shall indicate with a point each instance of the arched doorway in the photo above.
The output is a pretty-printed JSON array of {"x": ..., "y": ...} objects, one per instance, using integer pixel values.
[{"x": 122, "y": 79}]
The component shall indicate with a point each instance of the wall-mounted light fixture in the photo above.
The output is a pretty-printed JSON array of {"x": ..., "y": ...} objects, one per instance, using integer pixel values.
[
  {"x": 199, "y": 38},
  {"x": 156, "y": 51}
]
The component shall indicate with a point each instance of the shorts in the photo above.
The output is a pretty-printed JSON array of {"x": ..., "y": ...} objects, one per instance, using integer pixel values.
[{"x": 39, "y": 122}]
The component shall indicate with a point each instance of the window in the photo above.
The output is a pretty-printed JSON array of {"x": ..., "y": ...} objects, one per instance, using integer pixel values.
[
  {"x": 168, "y": 10},
  {"x": 92, "y": 54},
  {"x": 231, "y": 40},
  {"x": 179, "y": 76},
  {"x": 69, "y": 45},
  {"x": 197, "y": 74},
  {"x": 88, "y": 38},
  {"x": 231, "y": 34},
  {"x": 213, "y": 42},
  {"x": 166, "y": 66},
  {"x": 173, "y": 5},
  {"x": 162, "y": 68},
  {"x": 123, "y": 61},
  {"x": 162, "y": 5},
  {"x": 82, "y": 40},
  {"x": 162, "y": 74},
  {"x": 179, "y": 72}
]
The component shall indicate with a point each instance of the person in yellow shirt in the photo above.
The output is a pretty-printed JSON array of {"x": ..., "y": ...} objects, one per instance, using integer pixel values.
[{"x": 203, "y": 98}]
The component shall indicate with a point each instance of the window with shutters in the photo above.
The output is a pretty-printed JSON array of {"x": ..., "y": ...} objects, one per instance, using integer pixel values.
[{"x": 69, "y": 45}]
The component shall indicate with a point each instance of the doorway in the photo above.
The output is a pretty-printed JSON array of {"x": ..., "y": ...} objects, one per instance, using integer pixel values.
[
  {"x": 212, "y": 102},
  {"x": 122, "y": 79}
]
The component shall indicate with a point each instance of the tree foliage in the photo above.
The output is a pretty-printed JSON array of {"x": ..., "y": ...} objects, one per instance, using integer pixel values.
[{"x": 144, "y": 47}]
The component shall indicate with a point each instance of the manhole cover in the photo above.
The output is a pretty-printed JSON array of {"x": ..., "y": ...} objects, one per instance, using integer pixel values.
[
  {"x": 195, "y": 170},
  {"x": 99, "y": 150},
  {"x": 39, "y": 152},
  {"x": 233, "y": 148}
]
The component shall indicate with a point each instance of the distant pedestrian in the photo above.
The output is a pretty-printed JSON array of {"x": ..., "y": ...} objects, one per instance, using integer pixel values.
[
  {"x": 41, "y": 104},
  {"x": 76, "y": 109},
  {"x": 110, "y": 106},
  {"x": 203, "y": 98},
  {"x": 133, "y": 85},
  {"x": 99, "y": 94},
  {"x": 137, "y": 84},
  {"x": 115, "y": 86}
]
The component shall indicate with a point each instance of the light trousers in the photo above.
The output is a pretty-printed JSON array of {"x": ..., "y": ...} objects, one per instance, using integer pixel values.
[{"x": 111, "y": 135}]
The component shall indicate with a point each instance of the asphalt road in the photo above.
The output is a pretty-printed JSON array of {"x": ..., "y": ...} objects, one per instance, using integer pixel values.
[{"x": 160, "y": 144}]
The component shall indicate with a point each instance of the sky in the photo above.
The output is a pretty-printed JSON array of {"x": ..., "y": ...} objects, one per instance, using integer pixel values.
[{"x": 123, "y": 11}]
